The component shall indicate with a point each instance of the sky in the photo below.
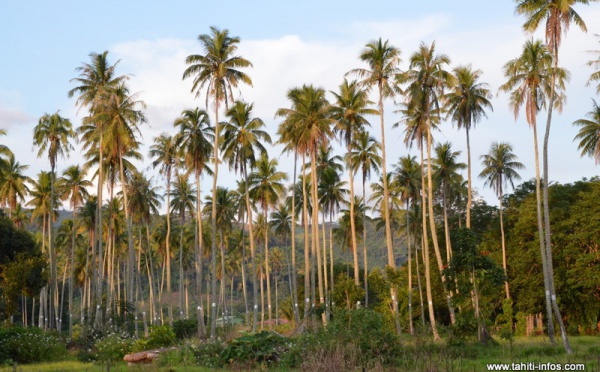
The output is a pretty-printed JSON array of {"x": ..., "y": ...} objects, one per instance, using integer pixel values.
[{"x": 289, "y": 44}]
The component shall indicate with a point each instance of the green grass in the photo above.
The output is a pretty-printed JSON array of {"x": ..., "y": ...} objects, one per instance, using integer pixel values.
[{"x": 420, "y": 355}]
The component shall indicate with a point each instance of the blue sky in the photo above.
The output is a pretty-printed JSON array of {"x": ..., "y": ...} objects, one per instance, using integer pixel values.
[{"x": 290, "y": 44}]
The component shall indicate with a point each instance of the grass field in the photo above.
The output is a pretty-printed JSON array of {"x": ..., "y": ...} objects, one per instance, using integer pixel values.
[{"x": 420, "y": 355}]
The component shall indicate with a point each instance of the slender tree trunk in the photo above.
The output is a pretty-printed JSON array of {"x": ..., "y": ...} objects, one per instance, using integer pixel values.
[
  {"x": 252, "y": 254},
  {"x": 53, "y": 279},
  {"x": 432, "y": 227},
  {"x": 315, "y": 229},
  {"x": 353, "y": 227},
  {"x": 546, "y": 203},
  {"x": 365, "y": 256},
  {"x": 213, "y": 250},
  {"x": 538, "y": 195},
  {"x": 99, "y": 249},
  {"x": 409, "y": 289},
  {"x": 436, "y": 336},
  {"x": 419, "y": 283},
  {"x": 181, "y": 273},
  {"x": 267, "y": 269},
  {"x": 446, "y": 227},
  {"x": 72, "y": 270},
  {"x": 199, "y": 252},
  {"x": 503, "y": 243},
  {"x": 307, "y": 270},
  {"x": 293, "y": 228},
  {"x": 469, "y": 187},
  {"x": 168, "y": 248}
]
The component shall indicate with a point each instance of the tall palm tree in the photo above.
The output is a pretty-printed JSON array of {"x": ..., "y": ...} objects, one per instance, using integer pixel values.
[
  {"x": 558, "y": 14},
  {"x": 589, "y": 133},
  {"x": 351, "y": 105},
  {"x": 530, "y": 83},
  {"x": 383, "y": 60},
  {"x": 122, "y": 115},
  {"x": 52, "y": 134},
  {"x": 217, "y": 70},
  {"x": 364, "y": 155},
  {"x": 14, "y": 183},
  {"x": 466, "y": 104},
  {"x": 446, "y": 167},
  {"x": 166, "y": 156},
  {"x": 408, "y": 178},
  {"x": 96, "y": 81},
  {"x": 266, "y": 186},
  {"x": 243, "y": 139},
  {"x": 73, "y": 187},
  {"x": 500, "y": 167},
  {"x": 428, "y": 80},
  {"x": 309, "y": 122},
  {"x": 195, "y": 142}
]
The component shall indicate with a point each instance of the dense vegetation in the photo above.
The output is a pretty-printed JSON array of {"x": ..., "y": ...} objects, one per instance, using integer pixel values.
[{"x": 435, "y": 259}]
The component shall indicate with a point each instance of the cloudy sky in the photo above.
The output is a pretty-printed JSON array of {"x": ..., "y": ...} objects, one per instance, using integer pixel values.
[{"x": 289, "y": 44}]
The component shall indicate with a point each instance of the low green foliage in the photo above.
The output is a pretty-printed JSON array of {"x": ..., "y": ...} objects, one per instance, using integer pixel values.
[
  {"x": 29, "y": 345},
  {"x": 112, "y": 348},
  {"x": 185, "y": 328},
  {"x": 252, "y": 348}
]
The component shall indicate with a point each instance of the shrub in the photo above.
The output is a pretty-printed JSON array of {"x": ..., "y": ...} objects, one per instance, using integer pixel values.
[
  {"x": 185, "y": 328},
  {"x": 254, "y": 347},
  {"x": 161, "y": 336},
  {"x": 112, "y": 348},
  {"x": 29, "y": 345},
  {"x": 208, "y": 354}
]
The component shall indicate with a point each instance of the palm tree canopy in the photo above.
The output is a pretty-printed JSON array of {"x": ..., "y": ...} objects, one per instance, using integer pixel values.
[
  {"x": 217, "y": 68},
  {"x": 465, "y": 104},
  {"x": 589, "y": 133},
  {"x": 349, "y": 110},
  {"x": 364, "y": 154},
  {"x": 266, "y": 182},
  {"x": 165, "y": 153},
  {"x": 500, "y": 167},
  {"x": 72, "y": 186},
  {"x": 52, "y": 134},
  {"x": 558, "y": 15},
  {"x": 407, "y": 175},
  {"x": 195, "y": 139},
  {"x": 14, "y": 182},
  {"x": 243, "y": 136},
  {"x": 383, "y": 60},
  {"x": 446, "y": 165},
  {"x": 530, "y": 80}
]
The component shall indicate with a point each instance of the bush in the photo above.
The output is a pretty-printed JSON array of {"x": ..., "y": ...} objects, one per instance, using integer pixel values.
[
  {"x": 354, "y": 337},
  {"x": 185, "y": 328},
  {"x": 464, "y": 330},
  {"x": 208, "y": 354},
  {"x": 112, "y": 348},
  {"x": 254, "y": 347},
  {"x": 29, "y": 345},
  {"x": 161, "y": 336}
]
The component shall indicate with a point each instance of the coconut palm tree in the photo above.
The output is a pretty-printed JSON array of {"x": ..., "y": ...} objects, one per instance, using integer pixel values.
[
  {"x": 558, "y": 14},
  {"x": 217, "y": 70},
  {"x": 530, "y": 84},
  {"x": 14, "y": 183},
  {"x": 446, "y": 167},
  {"x": 73, "y": 187},
  {"x": 383, "y": 60},
  {"x": 96, "y": 82},
  {"x": 364, "y": 155},
  {"x": 166, "y": 156},
  {"x": 500, "y": 167},
  {"x": 589, "y": 133},
  {"x": 195, "y": 142},
  {"x": 266, "y": 187},
  {"x": 310, "y": 124},
  {"x": 243, "y": 139},
  {"x": 52, "y": 134},
  {"x": 351, "y": 105},
  {"x": 465, "y": 105},
  {"x": 407, "y": 176}
]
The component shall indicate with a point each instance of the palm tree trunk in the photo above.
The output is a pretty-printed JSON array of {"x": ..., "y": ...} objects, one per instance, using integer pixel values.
[
  {"x": 198, "y": 261},
  {"x": 293, "y": 228},
  {"x": 503, "y": 240},
  {"x": 432, "y": 227},
  {"x": 168, "y": 248},
  {"x": 419, "y": 283},
  {"x": 409, "y": 289},
  {"x": 213, "y": 250},
  {"x": 547, "y": 237},
  {"x": 436, "y": 336},
  {"x": 53, "y": 279},
  {"x": 446, "y": 227},
  {"x": 365, "y": 256},
  {"x": 315, "y": 229},
  {"x": 72, "y": 271},
  {"x": 469, "y": 187},
  {"x": 307, "y": 287},
  {"x": 99, "y": 249},
  {"x": 252, "y": 253},
  {"x": 267, "y": 269},
  {"x": 181, "y": 274},
  {"x": 353, "y": 226},
  {"x": 538, "y": 193}
]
